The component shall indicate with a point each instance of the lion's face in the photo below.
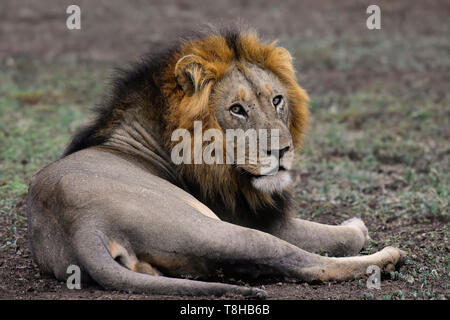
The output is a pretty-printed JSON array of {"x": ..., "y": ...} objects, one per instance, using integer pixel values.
[{"x": 253, "y": 100}]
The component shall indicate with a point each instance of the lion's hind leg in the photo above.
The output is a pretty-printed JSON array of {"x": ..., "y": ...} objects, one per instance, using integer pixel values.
[{"x": 93, "y": 252}]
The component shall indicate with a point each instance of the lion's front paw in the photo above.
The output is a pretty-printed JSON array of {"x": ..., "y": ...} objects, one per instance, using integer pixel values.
[
  {"x": 358, "y": 224},
  {"x": 391, "y": 258}
]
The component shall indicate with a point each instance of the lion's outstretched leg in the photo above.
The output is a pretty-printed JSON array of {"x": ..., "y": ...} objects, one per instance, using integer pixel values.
[
  {"x": 205, "y": 245},
  {"x": 249, "y": 252},
  {"x": 341, "y": 240}
]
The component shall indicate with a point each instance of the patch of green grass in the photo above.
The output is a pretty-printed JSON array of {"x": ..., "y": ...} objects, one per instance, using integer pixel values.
[
  {"x": 40, "y": 108},
  {"x": 366, "y": 151}
]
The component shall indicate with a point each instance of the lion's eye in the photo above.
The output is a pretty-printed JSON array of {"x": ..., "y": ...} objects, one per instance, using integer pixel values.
[
  {"x": 277, "y": 100},
  {"x": 238, "y": 110}
]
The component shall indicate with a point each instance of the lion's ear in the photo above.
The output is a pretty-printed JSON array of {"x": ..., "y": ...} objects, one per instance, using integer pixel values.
[
  {"x": 283, "y": 54},
  {"x": 190, "y": 73}
]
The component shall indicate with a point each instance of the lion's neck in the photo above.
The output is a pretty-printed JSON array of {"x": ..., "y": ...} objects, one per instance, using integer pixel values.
[{"x": 144, "y": 142}]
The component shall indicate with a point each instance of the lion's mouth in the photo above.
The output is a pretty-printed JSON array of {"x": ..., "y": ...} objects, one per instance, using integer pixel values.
[
  {"x": 257, "y": 176},
  {"x": 274, "y": 183}
]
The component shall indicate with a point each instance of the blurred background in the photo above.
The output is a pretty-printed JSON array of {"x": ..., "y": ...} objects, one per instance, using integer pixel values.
[{"x": 379, "y": 142}]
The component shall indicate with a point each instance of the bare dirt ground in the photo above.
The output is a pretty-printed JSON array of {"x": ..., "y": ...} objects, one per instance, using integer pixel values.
[{"x": 379, "y": 143}]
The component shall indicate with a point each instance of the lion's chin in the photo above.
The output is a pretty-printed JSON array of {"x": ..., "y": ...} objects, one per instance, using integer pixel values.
[{"x": 272, "y": 183}]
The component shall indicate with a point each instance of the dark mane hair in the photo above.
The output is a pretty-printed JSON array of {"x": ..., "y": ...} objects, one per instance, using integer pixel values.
[{"x": 139, "y": 76}]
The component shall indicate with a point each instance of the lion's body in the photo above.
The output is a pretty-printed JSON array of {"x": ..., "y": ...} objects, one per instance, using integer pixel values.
[{"x": 117, "y": 205}]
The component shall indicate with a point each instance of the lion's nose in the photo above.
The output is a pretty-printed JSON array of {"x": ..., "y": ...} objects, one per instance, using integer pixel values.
[
  {"x": 280, "y": 152},
  {"x": 283, "y": 151}
]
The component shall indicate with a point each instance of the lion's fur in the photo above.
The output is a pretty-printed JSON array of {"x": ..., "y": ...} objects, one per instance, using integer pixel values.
[{"x": 151, "y": 90}]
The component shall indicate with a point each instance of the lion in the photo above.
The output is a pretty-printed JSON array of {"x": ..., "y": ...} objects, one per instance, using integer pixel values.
[{"x": 117, "y": 206}]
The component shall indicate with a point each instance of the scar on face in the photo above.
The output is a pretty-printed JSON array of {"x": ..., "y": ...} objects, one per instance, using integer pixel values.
[
  {"x": 269, "y": 89},
  {"x": 242, "y": 94}
]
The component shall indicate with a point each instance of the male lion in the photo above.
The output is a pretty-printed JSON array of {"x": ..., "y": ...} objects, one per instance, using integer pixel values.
[{"x": 117, "y": 206}]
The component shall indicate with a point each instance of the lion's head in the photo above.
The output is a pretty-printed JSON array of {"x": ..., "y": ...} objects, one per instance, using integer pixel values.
[
  {"x": 235, "y": 81},
  {"x": 250, "y": 97}
]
